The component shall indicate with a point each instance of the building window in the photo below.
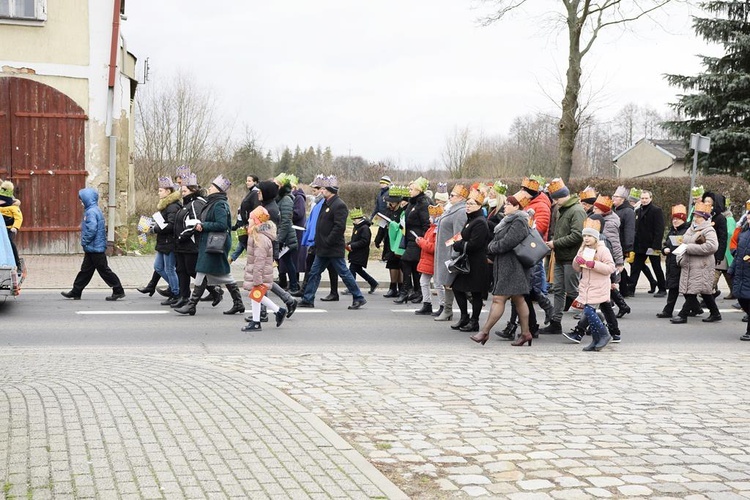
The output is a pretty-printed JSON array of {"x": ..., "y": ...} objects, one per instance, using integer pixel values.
[{"x": 26, "y": 10}]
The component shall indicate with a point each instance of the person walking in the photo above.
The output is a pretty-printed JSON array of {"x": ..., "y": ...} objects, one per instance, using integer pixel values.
[
  {"x": 94, "y": 243},
  {"x": 286, "y": 237},
  {"x": 170, "y": 202},
  {"x": 649, "y": 232},
  {"x": 330, "y": 246},
  {"x": 625, "y": 212},
  {"x": 248, "y": 204},
  {"x": 448, "y": 225},
  {"x": 672, "y": 241},
  {"x": 697, "y": 263},
  {"x": 739, "y": 269},
  {"x": 511, "y": 279},
  {"x": 416, "y": 221},
  {"x": 426, "y": 264},
  {"x": 359, "y": 248}
]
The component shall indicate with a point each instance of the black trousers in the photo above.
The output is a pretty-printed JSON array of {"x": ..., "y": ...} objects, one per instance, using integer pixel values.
[
  {"x": 185, "y": 265},
  {"x": 462, "y": 299},
  {"x": 356, "y": 269},
  {"x": 672, "y": 296},
  {"x": 95, "y": 262},
  {"x": 640, "y": 263},
  {"x": 692, "y": 304},
  {"x": 411, "y": 276},
  {"x": 745, "y": 303}
]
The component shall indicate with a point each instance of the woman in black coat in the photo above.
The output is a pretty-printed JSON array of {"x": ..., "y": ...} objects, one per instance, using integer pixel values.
[
  {"x": 679, "y": 226},
  {"x": 416, "y": 222},
  {"x": 474, "y": 237},
  {"x": 717, "y": 202},
  {"x": 164, "y": 264}
]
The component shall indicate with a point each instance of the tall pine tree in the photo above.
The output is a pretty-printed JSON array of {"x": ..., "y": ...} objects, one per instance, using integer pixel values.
[{"x": 718, "y": 105}]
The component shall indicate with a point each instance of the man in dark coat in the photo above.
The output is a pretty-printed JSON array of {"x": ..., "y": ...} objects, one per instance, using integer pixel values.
[
  {"x": 248, "y": 204},
  {"x": 649, "y": 233},
  {"x": 627, "y": 233},
  {"x": 330, "y": 246}
]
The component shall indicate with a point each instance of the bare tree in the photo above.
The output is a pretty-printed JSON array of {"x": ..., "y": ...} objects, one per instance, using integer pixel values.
[
  {"x": 457, "y": 150},
  {"x": 584, "y": 20},
  {"x": 177, "y": 124}
]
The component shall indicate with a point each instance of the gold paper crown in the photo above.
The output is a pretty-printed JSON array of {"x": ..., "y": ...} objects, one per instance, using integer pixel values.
[
  {"x": 555, "y": 185},
  {"x": 592, "y": 224},
  {"x": 477, "y": 196},
  {"x": 461, "y": 190},
  {"x": 435, "y": 210},
  {"x": 703, "y": 207},
  {"x": 587, "y": 193},
  {"x": 530, "y": 183},
  {"x": 523, "y": 198},
  {"x": 603, "y": 203},
  {"x": 356, "y": 213},
  {"x": 747, "y": 205},
  {"x": 679, "y": 210}
]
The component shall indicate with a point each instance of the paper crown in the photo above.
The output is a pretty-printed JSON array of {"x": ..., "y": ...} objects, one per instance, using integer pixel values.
[
  {"x": 385, "y": 180},
  {"x": 523, "y": 198},
  {"x": 222, "y": 183},
  {"x": 165, "y": 182},
  {"x": 398, "y": 192},
  {"x": 259, "y": 215},
  {"x": 330, "y": 181},
  {"x": 421, "y": 183},
  {"x": 747, "y": 205},
  {"x": 531, "y": 183},
  {"x": 679, "y": 212},
  {"x": 442, "y": 187},
  {"x": 461, "y": 190},
  {"x": 477, "y": 196},
  {"x": 703, "y": 209},
  {"x": 478, "y": 186},
  {"x": 587, "y": 194},
  {"x": 592, "y": 224},
  {"x": 635, "y": 193},
  {"x": 284, "y": 179},
  {"x": 182, "y": 171},
  {"x": 603, "y": 203},
  {"x": 190, "y": 179},
  {"x": 621, "y": 191},
  {"x": 697, "y": 191},
  {"x": 557, "y": 188},
  {"x": 317, "y": 181},
  {"x": 6, "y": 189},
  {"x": 500, "y": 188},
  {"x": 435, "y": 210},
  {"x": 356, "y": 213}
]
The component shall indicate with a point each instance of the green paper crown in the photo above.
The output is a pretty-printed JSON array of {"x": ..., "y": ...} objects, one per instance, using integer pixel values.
[
  {"x": 635, "y": 193},
  {"x": 500, "y": 188},
  {"x": 697, "y": 191},
  {"x": 421, "y": 183},
  {"x": 541, "y": 180},
  {"x": 284, "y": 179},
  {"x": 399, "y": 192},
  {"x": 356, "y": 213}
]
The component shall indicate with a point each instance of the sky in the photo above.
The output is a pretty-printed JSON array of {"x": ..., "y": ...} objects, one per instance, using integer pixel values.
[{"x": 394, "y": 79}]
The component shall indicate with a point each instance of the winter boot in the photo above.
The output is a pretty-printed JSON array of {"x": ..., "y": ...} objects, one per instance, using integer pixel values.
[
  {"x": 438, "y": 312},
  {"x": 181, "y": 302},
  {"x": 509, "y": 333},
  {"x": 426, "y": 309},
  {"x": 150, "y": 288},
  {"x": 189, "y": 308},
  {"x": 237, "y": 305},
  {"x": 462, "y": 321},
  {"x": 215, "y": 295},
  {"x": 392, "y": 291},
  {"x": 447, "y": 313},
  {"x": 554, "y": 328},
  {"x": 252, "y": 326},
  {"x": 619, "y": 300},
  {"x": 403, "y": 296}
]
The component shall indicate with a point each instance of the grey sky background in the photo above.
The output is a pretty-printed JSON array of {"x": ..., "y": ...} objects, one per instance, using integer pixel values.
[{"x": 392, "y": 79}]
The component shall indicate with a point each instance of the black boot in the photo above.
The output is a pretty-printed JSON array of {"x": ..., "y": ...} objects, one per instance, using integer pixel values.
[
  {"x": 181, "y": 302},
  {"x": 416, "y": 298},
  {"x": 426, "y": 309},
  {"x": 554, "y": 328},
  {"x": 462, "y": 321},
  {"x": 215, "y": 295},
  {"x": 150, "y": 288},
  {"x": 509, "y": 333},
  {"x": 392, "y": 291},
  {"x": 623, "y": 307},
  {"x": 568, "y": 302},
  {"x": 237, "y": 305},
  {"x": 170, "y": 301},
  {"x": 438, "y": 312},
  {"x": 471, "y": 326},
  {"x": 403, "y": 297},
  {"x": 189, "y": 308}
]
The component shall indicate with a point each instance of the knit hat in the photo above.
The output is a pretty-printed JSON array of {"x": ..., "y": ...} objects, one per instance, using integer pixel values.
[
  {"x": 435, "y": 210},
  {"x": 622, "y": 192},
  {"x": 317, "y": 182},
  {"x": 557, "y": 189},
  {"x": 603, "y": 203},
  {"x": 165, "y": 182},
  {"x": 356, "y": 213},
  {"x": 6, "y": 189},
  {"x": 221, "y": 183},
  {"x": 703, "y": 209},
  {"x": 385, "y": 180},
  {"x": 591, "y": 227},
  {"x": 679, "y": 212},
  {"x": 259, "y": 215},
  {"x": 421, "y": 183},
  {"x": 190, "y": 180},
  {"x": 442, "y": 192},
  {"x": 634, "y": 195},
  {"x": 588, "y": 195},
  {"x": 182, "y": 171},
  {"x": 697, "y": 191}
]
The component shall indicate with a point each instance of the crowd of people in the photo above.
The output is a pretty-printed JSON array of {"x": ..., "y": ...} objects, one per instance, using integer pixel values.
[{"x": 460, "y": 245}]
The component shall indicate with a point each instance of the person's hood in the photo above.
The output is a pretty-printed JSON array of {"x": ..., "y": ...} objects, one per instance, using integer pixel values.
[
  {"x": 572, "y": 201},
  {"x": 268, "y": 229},
  {"x": 168, "y": 200},
  {"x": 89, "y": 197},
  {"x": 269, "y": 190},
  {"x": 719, "y": 202},
  {"x": 365, "y": 222}
]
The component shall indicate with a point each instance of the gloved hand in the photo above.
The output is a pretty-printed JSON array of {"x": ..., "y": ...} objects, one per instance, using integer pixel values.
[
  {"x": 590, "y": 264},
  {"x": 631, "y": 258},
  {"x": 580, "y": 260},
  {"x": 718, "y": 261},
  {"x": 14, "y": 230}
]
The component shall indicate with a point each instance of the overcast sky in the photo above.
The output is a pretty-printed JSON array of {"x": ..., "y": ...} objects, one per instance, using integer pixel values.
[{"x": 392, "y": 79}]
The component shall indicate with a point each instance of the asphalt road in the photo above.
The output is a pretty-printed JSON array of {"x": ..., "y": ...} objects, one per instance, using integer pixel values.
[{"x": 44, "y": 318}]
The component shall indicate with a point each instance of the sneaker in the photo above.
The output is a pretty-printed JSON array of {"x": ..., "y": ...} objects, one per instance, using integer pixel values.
[
  {"x": 615, "y": 339},
  {"x": 573, "y": 336}
]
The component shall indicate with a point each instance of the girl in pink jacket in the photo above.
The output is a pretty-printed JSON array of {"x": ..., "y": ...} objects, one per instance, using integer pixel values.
[
  {"x": 594, "y": 262},
  {"x": 261, "y": 233}
]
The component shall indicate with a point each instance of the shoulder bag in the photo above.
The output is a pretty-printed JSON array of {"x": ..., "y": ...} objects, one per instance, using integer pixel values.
[
  {"x": 531, "y": 250},
  {"x": 216, "y": 241},
  {"x": 459, "y": 264}
]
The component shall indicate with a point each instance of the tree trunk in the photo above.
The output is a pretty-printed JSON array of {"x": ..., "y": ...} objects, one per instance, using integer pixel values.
[{"x": 569, "y": 121}]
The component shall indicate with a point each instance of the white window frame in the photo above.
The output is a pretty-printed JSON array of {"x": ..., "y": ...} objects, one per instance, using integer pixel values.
[{"x": 40, "y": 13}]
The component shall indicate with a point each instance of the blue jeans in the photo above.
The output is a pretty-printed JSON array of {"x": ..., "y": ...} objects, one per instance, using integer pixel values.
[
  {"x": 339, "y": 265},
  {"x": 164, "y": 264}
]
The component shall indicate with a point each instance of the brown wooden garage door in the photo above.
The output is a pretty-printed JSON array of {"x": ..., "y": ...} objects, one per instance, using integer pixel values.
[{"x": 42, "y": 150}]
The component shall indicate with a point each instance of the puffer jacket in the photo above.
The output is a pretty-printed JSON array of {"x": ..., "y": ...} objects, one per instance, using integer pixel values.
[
  {"x": 542, "y": 213},
  {"x": 568, "y": 227},
  {"x": 427, "y": 244},
  {"x": 187, "y": 240},
  {"x": 359, "y": 244},
  {"x": 417, "y": 221},
  {"x": 698, "y": 261},
  {"x": 259, "y": 266},
  {"x": 168, "y": 207},
  {"x": 93, "y": 232},
  {"x": 595, "y": 284},
  {"x": 286, "y": 235},
  {"x": 740, "y": 268}
]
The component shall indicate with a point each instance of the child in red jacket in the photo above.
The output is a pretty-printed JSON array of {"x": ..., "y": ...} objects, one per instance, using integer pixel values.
[{"x": 426, "y": 264}]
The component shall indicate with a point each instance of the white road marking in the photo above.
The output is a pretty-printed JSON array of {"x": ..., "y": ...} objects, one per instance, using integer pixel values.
[{"x": 101, "y": 313}]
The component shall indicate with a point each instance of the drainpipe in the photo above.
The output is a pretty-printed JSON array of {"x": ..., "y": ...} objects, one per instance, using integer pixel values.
[{"x": 112, "y": 197}]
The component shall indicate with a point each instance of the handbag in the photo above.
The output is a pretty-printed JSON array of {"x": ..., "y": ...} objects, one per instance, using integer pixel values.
[
  {"x": 531, "y": 250},
  {"x": 216, "y": 241},
  {"x": 459, "y": 264}
]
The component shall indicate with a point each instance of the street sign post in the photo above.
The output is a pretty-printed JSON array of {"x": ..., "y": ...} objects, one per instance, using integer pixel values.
[{"x": 698, "y": 143}]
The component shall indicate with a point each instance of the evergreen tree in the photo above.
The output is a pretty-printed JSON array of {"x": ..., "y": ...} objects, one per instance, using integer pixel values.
[{"x": 719, "y": 105}]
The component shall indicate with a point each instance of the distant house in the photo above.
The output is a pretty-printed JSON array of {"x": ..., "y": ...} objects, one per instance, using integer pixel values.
[
  {"x": 67, "y": 85},
  {"x": 652, "y": 158}
]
